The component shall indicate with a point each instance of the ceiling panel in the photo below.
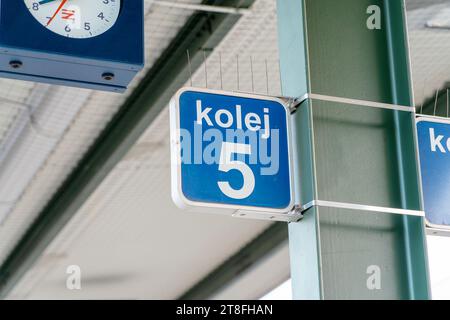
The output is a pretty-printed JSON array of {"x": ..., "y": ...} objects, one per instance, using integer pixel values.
[
  {"x": 129, "y": 239},
  {"x": 52, "y": 127},
  {"x": 430, "y": 49}
]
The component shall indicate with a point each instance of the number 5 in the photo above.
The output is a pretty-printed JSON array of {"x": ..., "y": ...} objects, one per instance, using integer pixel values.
[{"x": 228, "y": 148}]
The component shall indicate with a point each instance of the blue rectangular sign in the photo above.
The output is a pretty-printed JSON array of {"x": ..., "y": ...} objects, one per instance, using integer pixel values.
[
  {"x": 434, "y": 152},
  {"x": 231, "y": 151}
]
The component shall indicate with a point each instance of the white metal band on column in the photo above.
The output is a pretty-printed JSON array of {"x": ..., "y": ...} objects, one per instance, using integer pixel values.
[
  {"x": 356, "y": 102},
  {"x": 361, "y": 207},
  {"x": 361, "y": 103}
]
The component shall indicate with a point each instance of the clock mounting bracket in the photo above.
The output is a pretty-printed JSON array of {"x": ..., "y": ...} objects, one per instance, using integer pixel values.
[{"x": 28, "y": 51}]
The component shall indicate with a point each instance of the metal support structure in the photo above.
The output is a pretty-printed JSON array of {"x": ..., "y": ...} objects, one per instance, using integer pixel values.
[
  {"x": 170, "y": 71},
  {"x": 349, "y": 154},
  {"x": 202, "y": 7},
  {"x": 234, "y": 267}
]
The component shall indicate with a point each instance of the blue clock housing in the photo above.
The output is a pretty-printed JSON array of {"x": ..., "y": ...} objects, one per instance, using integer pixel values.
[{"x": 28, "y": 51}]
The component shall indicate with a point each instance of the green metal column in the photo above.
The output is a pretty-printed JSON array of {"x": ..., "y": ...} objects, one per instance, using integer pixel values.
[{"x": 353, "y": 154}]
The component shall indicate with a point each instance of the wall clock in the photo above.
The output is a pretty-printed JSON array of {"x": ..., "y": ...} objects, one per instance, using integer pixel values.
[
  {"x": 97, "y": 44},
  {"x": 77, "y": 19}
]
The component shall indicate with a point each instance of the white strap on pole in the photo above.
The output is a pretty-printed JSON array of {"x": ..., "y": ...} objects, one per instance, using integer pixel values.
[
  {"x": 361, "y": 207},
  {"x": 356, "y": 102}
]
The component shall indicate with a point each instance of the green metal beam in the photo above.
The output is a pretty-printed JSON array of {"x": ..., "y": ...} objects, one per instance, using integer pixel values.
[
  {"x": 353, "y": 154},
  {"x": 201, "y": 32},
  {"x": 249, "y": 256}
]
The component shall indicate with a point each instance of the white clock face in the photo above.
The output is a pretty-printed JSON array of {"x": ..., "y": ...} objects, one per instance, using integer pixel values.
[{"x": 75, "y": 18}]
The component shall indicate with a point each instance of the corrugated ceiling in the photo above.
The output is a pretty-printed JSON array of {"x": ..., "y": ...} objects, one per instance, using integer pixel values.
[
  {"x": 129, "y": 239},
  {"x": 50, "y": 128},
  {"x": 129, "y": 233}
]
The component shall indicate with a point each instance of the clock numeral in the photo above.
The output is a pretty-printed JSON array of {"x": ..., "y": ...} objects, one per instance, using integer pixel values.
[{"x": 77, "y": 19}]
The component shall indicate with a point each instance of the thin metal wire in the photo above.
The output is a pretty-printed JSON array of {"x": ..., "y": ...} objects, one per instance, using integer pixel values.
[
  {"x": 251, "y": 73},
  {"x": 203, "y": 7},
  {"x": 206, "y": 68},
  {"x": 423, "y": 92},
  {"x": 435, "y": 102},
  {"x": 267, "y": 78},
  {"x": 220, "y": 70},
  {"x": 279, "y": 74},
  {"x": 189, "y": 66},
  {"x": 447, "y": 101},
  {"x": 237, "y": 70}
]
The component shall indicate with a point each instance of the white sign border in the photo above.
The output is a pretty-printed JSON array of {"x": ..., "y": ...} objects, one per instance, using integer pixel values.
[
  {"x": 285, "y": 214},
  {"x": 431, "y": 228}
]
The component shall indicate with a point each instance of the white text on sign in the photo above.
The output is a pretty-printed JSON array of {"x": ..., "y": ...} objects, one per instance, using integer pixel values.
[{"x": 252, "y": 121}]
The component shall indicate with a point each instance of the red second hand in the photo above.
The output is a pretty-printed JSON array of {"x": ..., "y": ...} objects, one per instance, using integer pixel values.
[{"x": 56, "y": 12}]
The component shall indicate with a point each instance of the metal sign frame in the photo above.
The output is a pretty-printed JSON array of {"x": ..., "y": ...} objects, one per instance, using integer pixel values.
[
  {"x": 431, "y": 228},
  {"x": 286, "y": 214}
]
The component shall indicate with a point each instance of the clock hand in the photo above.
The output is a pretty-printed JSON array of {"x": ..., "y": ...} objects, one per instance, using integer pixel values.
[
  {"x": 45, "y": 1},
  {"x": 56, "y": 12}
]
